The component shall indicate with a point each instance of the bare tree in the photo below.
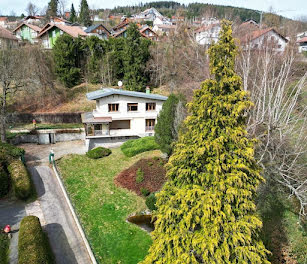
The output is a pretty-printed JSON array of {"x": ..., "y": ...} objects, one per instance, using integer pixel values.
[
  {"x": 62, "y": 7},
  {"x": 278, "y": 120},
  {"x": 32, "y": 9}
]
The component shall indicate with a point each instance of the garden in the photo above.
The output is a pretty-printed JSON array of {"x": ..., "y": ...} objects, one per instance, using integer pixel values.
[{"x": 103, "y": 207}]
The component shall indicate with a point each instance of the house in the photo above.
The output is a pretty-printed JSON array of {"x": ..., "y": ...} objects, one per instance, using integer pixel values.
[
  {"x": 263, "y": 38},
  {"x": 27, "y": 32},
  {"x": 302, "y": 44},
  {"x": 164, "y": 29},
  {"x": 149, "y": 14},
  {"x": 161, "y": 20},
  {"x": 3, "y": 21},
  {"x": 122, "y": 25},
  {"x": 7, "y": 39},
  {"x": 208, "y": 34},
  {"x": 98, "y": 30},
  {"x": 51, "y": 32},
  {"x": 302, "y": 41},
  {"x": 147, "y": 32},
  {"x": 33, "y": 19},
  {"x": 121, "y": 115}
]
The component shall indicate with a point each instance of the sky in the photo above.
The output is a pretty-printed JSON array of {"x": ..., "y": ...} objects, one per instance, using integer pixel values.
[{"x": 288, "y": 8}]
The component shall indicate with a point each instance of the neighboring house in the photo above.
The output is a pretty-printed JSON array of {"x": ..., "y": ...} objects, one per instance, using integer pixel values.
[
  {"x": 302, "y": 41},
  {"x": 7, "y": 39},
  {"x": 148, "y": 15},
  {"x": 208, "y": 34},
  {"x": 161, "y": 20},
  {"x": 164, "y": 29},
  {"x": 147, "y": 32},
  {"x": 177, "y": 19},
  {"x": 263, "y": 38},
  {"x": 302, "y": 44},
  {"x": 33, "y": 19},
  {"x": 122, "y": 25},
  {"x": 49, "y": 34},
  {"x": 27, "y": 32},
  {"x": 98, "y": 30},
  {"x": 3, "y": 21},
  {"x": 120, "y": 115}
]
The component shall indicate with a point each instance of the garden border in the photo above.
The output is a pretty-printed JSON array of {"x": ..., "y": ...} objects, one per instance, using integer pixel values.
[{"x": 84, "y": 238}]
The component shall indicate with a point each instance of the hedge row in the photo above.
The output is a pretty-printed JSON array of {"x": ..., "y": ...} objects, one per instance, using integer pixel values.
[
  {"x": 20, "y": 178},
  {"x": 135, "y": 146},
  {"x": 4, "y": 182},
  {"x": 8, "y": 151},
  {"x": 33, "y": 243}
]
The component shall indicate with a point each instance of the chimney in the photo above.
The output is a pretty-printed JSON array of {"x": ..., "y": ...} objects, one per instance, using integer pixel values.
[{"x": 147, "y": 90}]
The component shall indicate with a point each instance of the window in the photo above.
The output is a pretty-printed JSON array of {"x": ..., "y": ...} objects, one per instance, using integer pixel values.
[
  {"x": 150, "y": 106},
  {"x": 113, "y": 107},
  {"x": 132, "y": 107},
  {"x": 150, "y": 124},
  {"x": 120, "y": 124},
  {"x": 279, "y": 46}
]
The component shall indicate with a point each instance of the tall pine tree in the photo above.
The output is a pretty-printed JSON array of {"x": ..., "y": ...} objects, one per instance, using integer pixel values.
[
  {"x": 135, "y": 56},
  {"x": 73, "y": 16},
  {"x": 206, "y": 212},
  {"x": 52, "y": 10},
  {"x": 84, "y": 16}
]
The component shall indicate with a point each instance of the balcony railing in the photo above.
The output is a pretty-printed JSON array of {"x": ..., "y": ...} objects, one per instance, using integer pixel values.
[{"x": 150, "y": 128}]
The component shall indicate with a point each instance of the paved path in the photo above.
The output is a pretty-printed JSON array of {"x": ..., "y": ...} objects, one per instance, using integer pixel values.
[{"x": 63, "y": 234}]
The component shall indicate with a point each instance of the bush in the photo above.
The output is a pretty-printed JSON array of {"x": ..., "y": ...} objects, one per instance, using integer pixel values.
[
  {"x": 20, "y": 178},
  {"x": 8, "y": 151},
  {"x": 135, "y": 146},
  {"x": 151, "y": 202},
  {"x": 98, "y": 153},
  {"x": 4, "y": 182},
  {"x": 33, "y": 244},
  {"x": 139, "y": 175},
  {"x": 4, "y": 247},
  {"x": 144, "y": 192}
]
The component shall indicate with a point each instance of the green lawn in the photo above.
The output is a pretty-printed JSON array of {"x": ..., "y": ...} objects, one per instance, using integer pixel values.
[
  {"x": 103, "y": 207},
  {"x": 47, "y": 126},
  {"x": 4, "y": 248}
]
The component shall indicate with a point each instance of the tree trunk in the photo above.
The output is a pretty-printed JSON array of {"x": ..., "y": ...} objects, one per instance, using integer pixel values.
[{"x": 3, "y": 117}]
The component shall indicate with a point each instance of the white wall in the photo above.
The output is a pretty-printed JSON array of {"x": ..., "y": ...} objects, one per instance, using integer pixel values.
[
  {"x": 259, "y": 42},
  {"x": 137, "y": 118}
]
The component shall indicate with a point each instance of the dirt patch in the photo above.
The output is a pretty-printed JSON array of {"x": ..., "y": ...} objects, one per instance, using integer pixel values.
[{"x": 146, "y": 173}]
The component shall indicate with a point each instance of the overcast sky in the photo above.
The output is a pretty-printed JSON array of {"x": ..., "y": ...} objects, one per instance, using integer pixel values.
[{"x": 288, "y": 8}]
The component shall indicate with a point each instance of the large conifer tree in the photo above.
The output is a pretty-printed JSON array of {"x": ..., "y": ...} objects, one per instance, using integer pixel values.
[
  {"x": 84, "y": 16},
  {"x": 52, "y": 10},
  {"x": 206, "y": 212},
  {"x": 73, "y": 15}
]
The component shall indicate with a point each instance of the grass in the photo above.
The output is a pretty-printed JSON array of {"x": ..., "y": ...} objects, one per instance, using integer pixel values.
[
  {"x": 135, "y": 146},
  {"x": 103, "y": 207},
  {"x": 4, "y": 248}
]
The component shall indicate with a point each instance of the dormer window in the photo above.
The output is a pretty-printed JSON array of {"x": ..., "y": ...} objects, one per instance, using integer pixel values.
[
  {"x": 132, "y": 107},
  {"x": 113, "y": 107}
]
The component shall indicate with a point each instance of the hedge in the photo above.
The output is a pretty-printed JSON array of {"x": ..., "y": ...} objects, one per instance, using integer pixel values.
[
  {"x": 8, "y": 151},
  {"x": 135, "y": 146},
  {"x": 98, "y": 153},
  {"x": 21, "y": 180},
  {"x": 4, "y": 182},
  {"x": 33, "y": 243},
  {"x": 151, "y": 202}
]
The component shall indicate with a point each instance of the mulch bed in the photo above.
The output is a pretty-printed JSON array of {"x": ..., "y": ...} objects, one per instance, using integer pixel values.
[{"x": 154, "y": 176}]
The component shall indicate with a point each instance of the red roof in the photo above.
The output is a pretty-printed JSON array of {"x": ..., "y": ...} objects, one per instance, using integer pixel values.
[
  {"x": 257, "y": 33},
  {"x": 35, "y": 28},
  {"x": 3, "y": 18},
  {"x": 6, "y": 34},
  {"x": 304, "y": 39},
  {"x": 70, "y": 30}
]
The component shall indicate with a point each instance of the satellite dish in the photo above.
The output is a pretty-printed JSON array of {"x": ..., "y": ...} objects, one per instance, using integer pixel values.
[{"x": 120, "y": 83}]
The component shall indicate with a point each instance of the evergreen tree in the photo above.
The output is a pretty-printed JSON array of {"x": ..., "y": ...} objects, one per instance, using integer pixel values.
[
  {"x": 206, "y": 212},
  {"x": 73, "y": 16},
  {"x": 165, "y": 130},
  {"x": 65, "y": 53},
  {"x": 135, "y": 56},
  {"x": 84, "y": 17},
  {"x": 52, "y": 10}
]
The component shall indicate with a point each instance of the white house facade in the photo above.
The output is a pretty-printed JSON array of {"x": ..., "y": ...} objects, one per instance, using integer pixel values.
[
  {"x": 120, "y": 115},
  {"x": 208, "y": 34}
]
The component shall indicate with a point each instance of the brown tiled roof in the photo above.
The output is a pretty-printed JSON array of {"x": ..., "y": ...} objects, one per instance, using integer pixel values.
[
  {"x": 257, "y": 33},
  {"x": 122, "y": 24},
  {"x": 70, "y": 30},
  {"x": 3, "y": 18},
  {"x": 6, "y": 34},
  {"x": 206, "y": 28},
  {"x": 35, "y": 28},
  {"x": 304, "y": 39}
]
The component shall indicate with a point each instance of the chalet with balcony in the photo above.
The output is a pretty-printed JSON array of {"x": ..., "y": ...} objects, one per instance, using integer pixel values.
[{"x": 121, "y": 115}]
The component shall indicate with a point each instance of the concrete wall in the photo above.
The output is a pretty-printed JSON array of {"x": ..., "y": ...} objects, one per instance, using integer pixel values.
[
  {"x": 107, "y": 142},
  {"x": 50, "y": 118}
]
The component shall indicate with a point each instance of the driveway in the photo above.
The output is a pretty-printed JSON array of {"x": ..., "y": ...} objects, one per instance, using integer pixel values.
[{"x": 50, "y": 206}]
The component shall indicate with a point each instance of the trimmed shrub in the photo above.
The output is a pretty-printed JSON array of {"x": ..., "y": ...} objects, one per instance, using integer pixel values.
[
  {"x": 144, "y": 191},
  {"x": 33, "y": 244},
  {"x": 135, "y": 146},
  {"x": 20, "y": 178},
  {"x": 4, "y": 247},
  {"x": 8, "y": 151},
  {"x": 4, "y": 182},
  {"x": 151, "y": 202},
  {"x": 139, "y": 175},
  {"x": 98, "y": 153}
]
